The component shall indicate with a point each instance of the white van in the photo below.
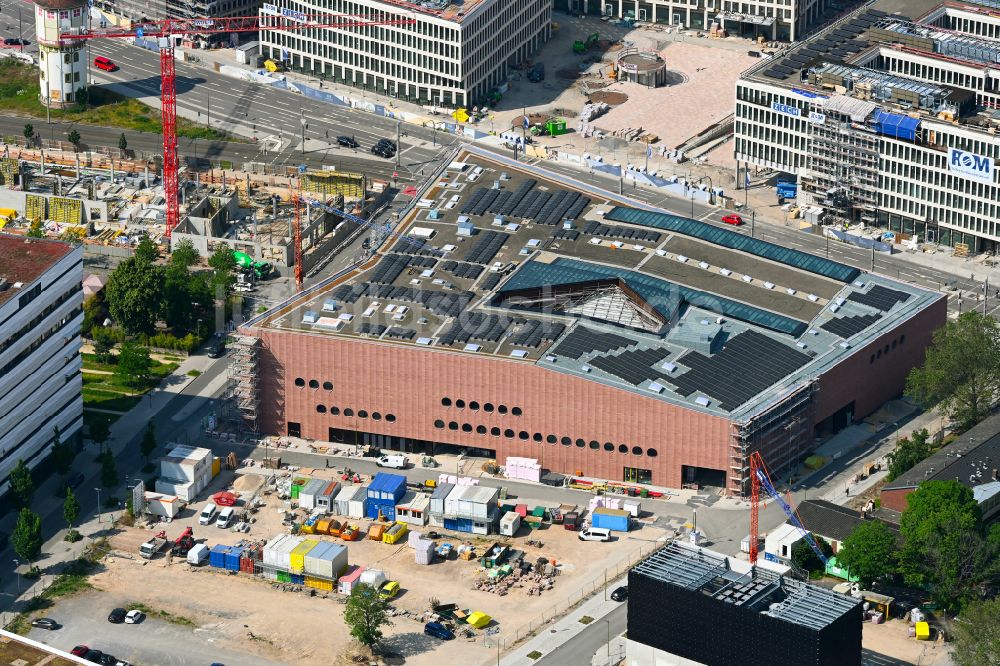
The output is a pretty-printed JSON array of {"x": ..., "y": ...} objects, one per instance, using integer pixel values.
[
  {"x": 395, "y": 462},
  {"x": 595, "y": 534},
  {"x": 207, "y": 514},
  {"x": 226, "y": 517}
]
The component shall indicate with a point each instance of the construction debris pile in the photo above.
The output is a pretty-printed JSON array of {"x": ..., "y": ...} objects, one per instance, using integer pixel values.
[
  {"x": 591, "y": 112},
  {"x": 517, "y": 573}
]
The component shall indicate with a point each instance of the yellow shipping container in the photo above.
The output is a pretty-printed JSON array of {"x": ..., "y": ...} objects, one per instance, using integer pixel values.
[
  {"x": 216, "y": 466},
  {"x": 319, "y": 583},
  {"x": 297, "y": 559}
]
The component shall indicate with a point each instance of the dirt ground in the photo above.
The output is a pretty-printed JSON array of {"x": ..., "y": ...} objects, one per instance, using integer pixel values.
[
  {"x": 286, "y": 622},
  {"x": 891, "y": 639}
]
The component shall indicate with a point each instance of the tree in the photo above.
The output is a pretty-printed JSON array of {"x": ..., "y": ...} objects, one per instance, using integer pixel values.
[
  {"x": 109, "y": 470},
  {"x": 122, "y": 143},
  {"x": 943, "y": 543},
  {"x": 74, "y": 137},
  {"x": 804, "y": 557},
  {"x": 36, "y": 230},
  {"x": 133, "y": 295},
  {"x": 134, "y": 365},
  {"x": 29, "y": 131},
  {"x": 366, "y": 615},
  {"x": 21, "y": 484},
  {"x": 63, "y": 453},
  {"x": 223, "y": 264},
  {"x": 185, "y": 254},
  {"x": 147, "y": 251},
  {"x": 103, "y": 344},
  {"x": 908, "y": 453},
  {"x": 71, "y": 509},
  {"x": 27, "y": 535},
  {"x": 869, "y": 552},
  {"x": 977, "y": 634},
  {"x": 148, "y": 443},
  {"x": 961, "y": 370},
  {"x": 99, "y": 432},
  {"x": 94, "y": 313}
]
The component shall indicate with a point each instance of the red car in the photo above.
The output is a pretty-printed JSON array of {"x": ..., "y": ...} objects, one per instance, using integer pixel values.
[
  {"x": 734, "y": 220},
  {"x": 79, "y": 650},
  {"x": 100, "y": 62}
]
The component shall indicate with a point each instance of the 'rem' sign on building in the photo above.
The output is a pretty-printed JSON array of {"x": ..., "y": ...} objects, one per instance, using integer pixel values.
[{"x": 970, "y": 165}]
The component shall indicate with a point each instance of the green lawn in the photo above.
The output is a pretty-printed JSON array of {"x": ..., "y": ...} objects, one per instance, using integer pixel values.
[
  {"x": 19, "y": 94},
  {"x": 117, "y": 402}
]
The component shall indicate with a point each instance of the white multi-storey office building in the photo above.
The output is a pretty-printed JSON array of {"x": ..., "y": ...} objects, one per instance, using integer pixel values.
[
  {"x": 454, "y": 55},
  {"x": 887, "y": 120},
  {"x": 41, "y": 299},
  {"x": 786, "y": 20}
]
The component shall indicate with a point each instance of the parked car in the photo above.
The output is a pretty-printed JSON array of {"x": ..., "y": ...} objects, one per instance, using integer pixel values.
[
  {"x": 438, "y": 630},
  {"x": 217, "y": 351},
  {"x": 79, "y": 651},
  {"x": 620, "y": 593},
  {"x": 117, "y": 616},
  {"x": 395, "y": 462},
  {"x": 595, "y": 534},
  {"x": 75, "y": 480},
  {"x": 734, "y": 220},
  {"x": 134, "y": 617},
  {"x": 45, "y": 623},
  {"x": 15, "y": 41},
  {"x": 389, "y": 590},
  {"x": 347, "y": 141},
  {"x": 94, "y": 656}
]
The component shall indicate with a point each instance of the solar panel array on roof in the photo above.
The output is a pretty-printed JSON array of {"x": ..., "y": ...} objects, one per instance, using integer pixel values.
[
  {"x": 568, "y": 234},
  {"x": 482, "y": 203},
  {"x": 515, "y": 197},
  {"x": 539, "y": 202},
  {"x": 525, "y": 203},
  {"x": 633, "y": 366},
  {"x": 462, "y": 270},
  {"x": 774, "y": 74},
  {"x": 490, "y": 281},
  {"x": 486, "y": 247},
  {"x": 598, "y": 229},
  {"x": 748, "y": 364},
  {"x": 400, "y": 333},
  {"x": 583, "y": 341},
  {"x": 370, "y": 329},
  {"x": 845, "y": 327},
  {"x": 499, "y": 204},
  {"x": 736, "y": 241},
  {"x": 473, "y": 200},
  {"x": 533, "y": 332},
  {"x": 475, "y": 326},
  {"x": 445, "y": 304},
  {"x": 414, "y": 246},
  {"x": 389, "y": 268},
  {"x": 879, "y": 297}
]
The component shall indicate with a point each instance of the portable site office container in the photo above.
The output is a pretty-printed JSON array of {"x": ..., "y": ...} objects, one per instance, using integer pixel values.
[
  {"x": 452, "y": 502},
  {"x": 217, "y": 556},
  {"x": 271, "y": 546},
  {"x": 358, "y": 505},
  {"x": 480, "y": 502},
  {"x": 510, "y": 523},
  {"x": 327, "y": 560},
  {"x": 347, "y": 582},
  {"x": 326, "y": 498},
  {"x": 391, "y": 488},
  {"x": 413, "y": 510},
  {"x": 612, "y": 519},
  {"x": 282, "y": 554},
  {"x": 438, "y": 498},
  {"x": 297, "y": 558},
  {"x": 308, "y": 494}
]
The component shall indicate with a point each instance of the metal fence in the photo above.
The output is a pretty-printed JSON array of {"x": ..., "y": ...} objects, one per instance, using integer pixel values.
[{"x": 581, "y": 593}]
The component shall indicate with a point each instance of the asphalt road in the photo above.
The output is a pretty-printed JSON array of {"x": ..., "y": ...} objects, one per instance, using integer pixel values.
[
  {"x": 153, "y": 642},
  {"x": 591, "y": 639}
]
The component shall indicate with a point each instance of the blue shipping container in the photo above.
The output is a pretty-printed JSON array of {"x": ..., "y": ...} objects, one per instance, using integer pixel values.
[
  {"x": 385, "y": 484},
  {"x": 375, "y": 487},
  {"x": 217, "y": 556},
  {"x": 298, "y": 579},
  {"x": 232, "y": 558},
  {"x": 386, "y": 507},
  {"x": 610, "y": 519}
]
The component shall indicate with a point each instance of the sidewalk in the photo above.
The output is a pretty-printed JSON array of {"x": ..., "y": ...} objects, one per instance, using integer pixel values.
[
  {"x": 124, "y": 433},
  {"x": 550, "y": 637}
]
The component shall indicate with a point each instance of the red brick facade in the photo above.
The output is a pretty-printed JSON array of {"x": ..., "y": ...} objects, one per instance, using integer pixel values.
[{"x": 405, "y": 385}]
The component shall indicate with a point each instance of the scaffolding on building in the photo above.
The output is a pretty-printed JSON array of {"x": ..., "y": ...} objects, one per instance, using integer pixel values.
[{"x": 243, "y": 387}]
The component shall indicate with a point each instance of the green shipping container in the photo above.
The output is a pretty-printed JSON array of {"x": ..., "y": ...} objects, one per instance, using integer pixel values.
[
  {"x": 538, "y": 512},
  {"x": 295, "y": 492},
  {"x": 283, "y": 577}
]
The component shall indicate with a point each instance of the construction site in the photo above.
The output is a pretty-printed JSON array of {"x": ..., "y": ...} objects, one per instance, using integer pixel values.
[{"x": 111, "y": 204}]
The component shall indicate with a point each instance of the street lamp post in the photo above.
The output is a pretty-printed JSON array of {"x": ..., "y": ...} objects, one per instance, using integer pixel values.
[
  {"x": 608, "y": 622},
  {"x": 98, "y": 505},
  {"x": 16, "y": 565}
]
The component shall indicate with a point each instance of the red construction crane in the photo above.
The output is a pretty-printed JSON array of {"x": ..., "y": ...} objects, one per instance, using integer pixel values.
[
  {"x": 166, "y": 29},
  {"x": 759, "y": 477}
]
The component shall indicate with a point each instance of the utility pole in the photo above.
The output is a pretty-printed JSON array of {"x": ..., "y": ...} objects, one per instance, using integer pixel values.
[
  {"x": 753, "y": 221},
  {"x": 397, "y": 144},
  {"x": 98, "y": 505},
  {"x": 986, "y": 294},
  {"x": 302, "y": 123},
  {"x": 209, "y": 93},
  {"x": 873, "y": 257}
]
